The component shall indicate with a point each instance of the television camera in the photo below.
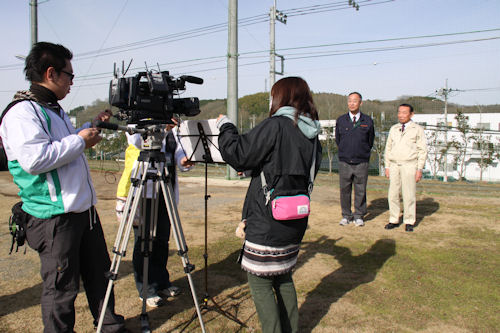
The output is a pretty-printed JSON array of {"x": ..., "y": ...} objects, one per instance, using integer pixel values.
[{"x": 148, "y": 97}]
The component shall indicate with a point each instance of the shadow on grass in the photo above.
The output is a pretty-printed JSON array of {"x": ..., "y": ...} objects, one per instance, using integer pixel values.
[
  {"x": 376, "y": 208},
  {"x": 31, "y": 296},
  {"x": 21, "y": 300},
  {"x": 355, "y": 271},
  {"x": 221, "y": 276},
  {"x": 425, "y": 207}
]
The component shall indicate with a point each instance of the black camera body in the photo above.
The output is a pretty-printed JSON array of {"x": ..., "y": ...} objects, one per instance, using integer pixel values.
[{"x": 148, "y": 97}]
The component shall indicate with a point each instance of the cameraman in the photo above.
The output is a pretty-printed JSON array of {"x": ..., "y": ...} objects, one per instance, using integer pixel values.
[
  {"x": 48, "y": 165},
  {"x": 159, "y": 285}
]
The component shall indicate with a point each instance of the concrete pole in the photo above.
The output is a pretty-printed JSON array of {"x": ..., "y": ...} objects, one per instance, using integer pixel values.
[
  {"x": 481, "y": 144},
  {"x": 232, "y": 72},
  {"x": 272, "y": 48},
  {"x": 34, "y": 21},
  {"x": 445, "y": 177}
]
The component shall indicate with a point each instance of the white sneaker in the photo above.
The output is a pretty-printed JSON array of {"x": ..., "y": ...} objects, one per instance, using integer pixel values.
[
  {"x": 359, "y": 222},
  {"x": 154, "y": 301},
  {"x": 171, "y": 291},
  {"x": 344, "y": 221}
]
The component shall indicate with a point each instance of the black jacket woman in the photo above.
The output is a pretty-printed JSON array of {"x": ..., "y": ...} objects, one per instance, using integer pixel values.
[{"x": 282, "y": 147}]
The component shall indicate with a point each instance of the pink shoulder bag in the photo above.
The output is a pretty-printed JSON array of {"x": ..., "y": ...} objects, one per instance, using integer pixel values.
[{"x": 291, "y": 207}]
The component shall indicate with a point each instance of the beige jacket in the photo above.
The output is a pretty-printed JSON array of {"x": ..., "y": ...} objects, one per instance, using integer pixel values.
[{"x": 407, "y": 146}]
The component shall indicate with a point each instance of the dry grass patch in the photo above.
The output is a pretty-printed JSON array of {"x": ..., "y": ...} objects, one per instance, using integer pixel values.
[{"x": 444, "y": 277}]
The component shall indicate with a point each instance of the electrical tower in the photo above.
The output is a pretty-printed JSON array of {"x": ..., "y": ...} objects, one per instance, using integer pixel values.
[
  {"x": 444, "y": 92},
  {"x": 34, "y": 21},
  {"x": 281, "y": 17}
]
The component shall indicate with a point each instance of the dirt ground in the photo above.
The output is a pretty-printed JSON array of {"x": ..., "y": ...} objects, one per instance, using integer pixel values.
[{"x": 325, "y": 247}]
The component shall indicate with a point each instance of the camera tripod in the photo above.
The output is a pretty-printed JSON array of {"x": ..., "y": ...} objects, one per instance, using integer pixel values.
[
  {"x": 207, "y": 158},
  {"x": 152, "y": 164}
]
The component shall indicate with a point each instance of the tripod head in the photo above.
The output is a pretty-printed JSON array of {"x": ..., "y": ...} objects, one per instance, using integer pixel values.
[
  {"x": 153, "y": 136},
  {"x": 152, "y": 132}
]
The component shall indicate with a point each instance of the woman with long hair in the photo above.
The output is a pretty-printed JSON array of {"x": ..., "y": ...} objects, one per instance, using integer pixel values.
[{"x": 283, "y": 153}]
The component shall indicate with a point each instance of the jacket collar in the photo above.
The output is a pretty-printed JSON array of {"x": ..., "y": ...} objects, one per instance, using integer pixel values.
[{"x": 407, "y": 125}]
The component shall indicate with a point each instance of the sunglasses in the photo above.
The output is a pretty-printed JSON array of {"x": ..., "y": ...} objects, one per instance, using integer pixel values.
[{"x": 71, "y": 75}]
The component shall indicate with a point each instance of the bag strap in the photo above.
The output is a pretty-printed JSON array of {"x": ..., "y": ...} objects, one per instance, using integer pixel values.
[
  {"x": 313, "y": 168},
  {"x": 11, "y": 104},
  {"x": 267, "y": 192}
]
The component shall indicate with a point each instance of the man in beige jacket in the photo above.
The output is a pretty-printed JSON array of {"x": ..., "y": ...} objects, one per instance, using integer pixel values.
[{"x": 405, "y": 155}]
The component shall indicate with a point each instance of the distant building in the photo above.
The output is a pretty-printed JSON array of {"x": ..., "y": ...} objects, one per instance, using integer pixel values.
[
  {"x": 485, "y": 126},
  {"x": 73, "y": 121},
  {"x": 327, "y": 128}
]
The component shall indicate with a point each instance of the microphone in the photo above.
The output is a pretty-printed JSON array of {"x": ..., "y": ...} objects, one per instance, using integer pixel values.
[
  {"x": 116, "y": 127},
  {"x": 192, "y": 79}
]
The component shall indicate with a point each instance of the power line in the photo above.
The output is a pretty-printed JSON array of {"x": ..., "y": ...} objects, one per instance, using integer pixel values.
[
  {"x": 332, "y": 53},
  {"x": 329, "y": 7},
  {"x": 102, "y": 45},
  {"x": 391, "y": 48},
  {"x": 295, "y": 56},
  {"x": 479, "y": 89},
  {"x": 198, "y": 32},
  {"x": 16, "y": 66},
  {"x": 391, "y": 39},
  {"x": 220, "y": 27}
]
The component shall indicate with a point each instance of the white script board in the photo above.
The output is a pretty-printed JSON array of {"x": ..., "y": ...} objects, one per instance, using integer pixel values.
[{"x": 189, "y": 136}]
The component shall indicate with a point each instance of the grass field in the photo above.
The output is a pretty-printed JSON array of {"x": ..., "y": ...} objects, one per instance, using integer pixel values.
[{"x": 444, "y": 277}]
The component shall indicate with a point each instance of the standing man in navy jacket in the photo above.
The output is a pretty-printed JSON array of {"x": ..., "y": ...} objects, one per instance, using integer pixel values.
[{"x": 354, "y": 134}]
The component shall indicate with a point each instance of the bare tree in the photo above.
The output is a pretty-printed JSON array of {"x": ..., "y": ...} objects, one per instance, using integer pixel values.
[
  {"x": 437, "y": 149},
  {"x": 331, "y": 145},
  {"x": 329, "y": 132},
  {"x": 486, "y": 150},
  {"x": 381, "y": 131},
  {"x": 461, "y": 144}
]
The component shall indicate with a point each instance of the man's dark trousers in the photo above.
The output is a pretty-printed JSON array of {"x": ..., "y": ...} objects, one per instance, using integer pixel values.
[
  {"x": 72, "y": 245},
  {"x": 350, "y": 174}
]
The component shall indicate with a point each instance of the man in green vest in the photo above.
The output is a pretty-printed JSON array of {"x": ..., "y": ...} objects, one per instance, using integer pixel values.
[{"x": 46, "y": 159}]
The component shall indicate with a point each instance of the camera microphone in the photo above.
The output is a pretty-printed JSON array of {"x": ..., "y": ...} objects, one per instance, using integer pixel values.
[
  {"x": 192, "y": 79},
  {"x": 116, "y": 127}
]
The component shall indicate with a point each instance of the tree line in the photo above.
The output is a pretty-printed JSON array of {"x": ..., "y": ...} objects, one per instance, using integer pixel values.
[{"x": 252, "y": 109}]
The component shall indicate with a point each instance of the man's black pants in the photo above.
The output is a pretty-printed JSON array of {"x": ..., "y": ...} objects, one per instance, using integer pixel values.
[
  {"x": 71, "y": 245},
  {"x": 350, "y": 174}
]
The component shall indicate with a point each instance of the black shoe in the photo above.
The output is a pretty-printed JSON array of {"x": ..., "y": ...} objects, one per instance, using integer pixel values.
[
  {"x": 409, "y": 228},
  {"x": 389, "y": 226}
]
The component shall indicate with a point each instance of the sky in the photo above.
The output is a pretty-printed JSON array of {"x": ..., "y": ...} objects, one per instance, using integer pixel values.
[{"x": 384, "y": 50}]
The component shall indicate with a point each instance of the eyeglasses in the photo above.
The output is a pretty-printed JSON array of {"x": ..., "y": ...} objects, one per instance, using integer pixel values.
[{"x": 71, "y": 75}]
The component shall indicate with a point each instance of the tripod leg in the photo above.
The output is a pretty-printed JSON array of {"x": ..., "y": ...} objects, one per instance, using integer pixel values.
[
  {"x": 228, "y": 315},
  {"x": 148, "y": 229},
  {"x": 145, "y": 250},
  {"x": 120, "y": 245},
  {"x": 216, "y": 307},
  {"x": 148, "y": 235},
  {"x": 179, "y": 238}
]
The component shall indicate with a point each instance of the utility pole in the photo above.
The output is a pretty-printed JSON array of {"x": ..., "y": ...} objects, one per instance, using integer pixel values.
[
  {"x": 232, "y": 71},
  {"x": 444, "y": 92},
  {"x": 481, "y": 143},
  {"x": 34, "y": 21},
  {"x": 274, "y": 15}
]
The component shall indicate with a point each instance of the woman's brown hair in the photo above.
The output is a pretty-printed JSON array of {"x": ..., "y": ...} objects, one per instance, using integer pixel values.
[{"x": 293, "y": 91}]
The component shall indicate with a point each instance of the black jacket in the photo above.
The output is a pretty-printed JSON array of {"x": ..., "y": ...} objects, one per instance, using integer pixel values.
[
  {"x": 355, "y": 142},
  {"x": 279, "y": 148}
]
